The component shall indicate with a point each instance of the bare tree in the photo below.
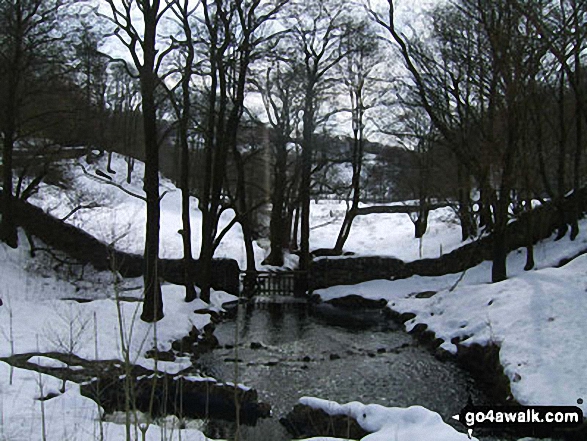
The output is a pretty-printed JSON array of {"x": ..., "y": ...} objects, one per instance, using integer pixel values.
[
  {"x": 182, "y": 104},
  {"x": 479, "y": 105},
  {"x": 562, "y": 28},
  {"x": 316, "y": 37},
  {"x": 233, "y": 30},
  {"x": 359, "y": 44},
  {"x": 147, "y": 58},
  {"x": 28, "y": 32},
  {"x": 279, "y": 86}
]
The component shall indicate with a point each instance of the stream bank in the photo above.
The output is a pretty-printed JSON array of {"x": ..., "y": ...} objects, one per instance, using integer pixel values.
[{"x": 293, "y": 350}]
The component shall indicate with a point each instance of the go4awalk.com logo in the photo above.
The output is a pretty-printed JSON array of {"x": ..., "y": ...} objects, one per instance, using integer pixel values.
[{"x": 527, "y": 419}]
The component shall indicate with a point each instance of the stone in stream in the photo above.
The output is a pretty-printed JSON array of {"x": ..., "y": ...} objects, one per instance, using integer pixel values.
[
  {"x": 356, "y": 301},
  {"x": 305, "y": 422},
  {"x": 165, "y": 394}
]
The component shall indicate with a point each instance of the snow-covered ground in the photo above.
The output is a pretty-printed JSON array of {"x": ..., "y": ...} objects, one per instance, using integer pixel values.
[
  {"x": 120, "y": 218},
  {"x": 389, "y": 423},
  {"x": 385, "y": 234},
  {"x": 536, "y": 317},
  {"x": 35, "y": 318},
  {"x": 68, "y": 416}
]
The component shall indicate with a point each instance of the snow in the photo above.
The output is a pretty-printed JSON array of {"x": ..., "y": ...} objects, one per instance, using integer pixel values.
[
  {"x": 384, "y": 234},
  {"x": 49, "y": 362},
  {"x": 92, "y": 330},
  {"x": 34, "y": 318},
  {"x": 536, "y": 318},
  {"x": 61, "y": 415},
  {"x": 390, "y": 423},
  {"x": 120, "y": 218}
]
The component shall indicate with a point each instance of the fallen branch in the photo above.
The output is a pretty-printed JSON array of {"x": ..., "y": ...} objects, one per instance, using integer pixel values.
[
  {"x": 391, "y": 209},
  {"x": 105, "y": 181}
]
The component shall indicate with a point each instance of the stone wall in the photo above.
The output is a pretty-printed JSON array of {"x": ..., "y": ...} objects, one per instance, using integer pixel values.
[
  {"x": 536, "y": 225},
  {"x": 85, "y": 248}
]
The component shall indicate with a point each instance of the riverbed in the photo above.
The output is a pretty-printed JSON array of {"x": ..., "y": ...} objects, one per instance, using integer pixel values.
[{"x": 287, "y": 351}]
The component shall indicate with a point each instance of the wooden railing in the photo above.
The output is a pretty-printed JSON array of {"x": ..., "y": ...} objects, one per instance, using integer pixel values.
[{"x": 274, "y": 283}]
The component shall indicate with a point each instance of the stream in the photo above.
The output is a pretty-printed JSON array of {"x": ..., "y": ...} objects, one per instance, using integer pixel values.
[{"x": 287, "y": 351}]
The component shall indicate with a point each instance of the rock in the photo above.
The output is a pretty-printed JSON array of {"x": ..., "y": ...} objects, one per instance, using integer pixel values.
[
  {"x": 425, "y": 294},
  {"x": 160, "y": 355},
  {"x": 206, "y": 341},
  {"x": 187, "y": 342},
  {"x": 171, "y": 395},
  {"x": 356, "y": 301},
  {"x": 306, "y": 359},
  {"x": 257, "y": 345},
  {"x": 334, "y": 356},
  {"x": 305, "y": 422}
]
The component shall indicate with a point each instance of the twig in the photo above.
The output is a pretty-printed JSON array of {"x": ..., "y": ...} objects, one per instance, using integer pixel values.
[
  {"x": 80, "y": 207},
  {"x": 461, "y": 277}
]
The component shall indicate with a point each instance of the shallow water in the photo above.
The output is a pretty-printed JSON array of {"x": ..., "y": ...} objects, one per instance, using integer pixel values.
[{"x": 289, "y": 351}]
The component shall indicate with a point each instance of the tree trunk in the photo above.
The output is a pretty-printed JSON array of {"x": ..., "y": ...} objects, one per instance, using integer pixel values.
[
  {"x": 485, "y": 203},
  {"x": 562, "y": 158},
  {"x": 345, "y": 231},
  {"x": 130, "y": 165},
  {"x": 305, "y": 183},
  {"x": 499, "y": 264},
  {"x": 357, "y": 158},
  {"x": 245, "y": 218},
  {"x": 153, "y": 302},
  {"x": 529, "y": 237},
  {"x": 468, "y": 228},
  {"x": 184, "y": 120},
  {"x": 8, "y": 231},
  {"x": 109, "y": 164},
  {"x": 578, "y": 139},
  {"x": 295, "y": 228},
  {"x": 186, "y": 233},
  {"x": 206, "y": 254},
  {"x": 421, "y": 223},
  {"x": 277, "y": 229}
]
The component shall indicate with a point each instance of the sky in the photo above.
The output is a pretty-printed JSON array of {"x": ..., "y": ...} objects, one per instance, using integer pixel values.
[{"x": 410, "y": 17}]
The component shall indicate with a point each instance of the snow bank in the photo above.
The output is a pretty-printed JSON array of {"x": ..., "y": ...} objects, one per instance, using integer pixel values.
[
  {"x": 120, "y": 218},
  {"x": 62, "y": 416},
  {"x": 92, "y": 330},
  {"x": 390, "y": 423},
  {"x": 537, "y": 319}
]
